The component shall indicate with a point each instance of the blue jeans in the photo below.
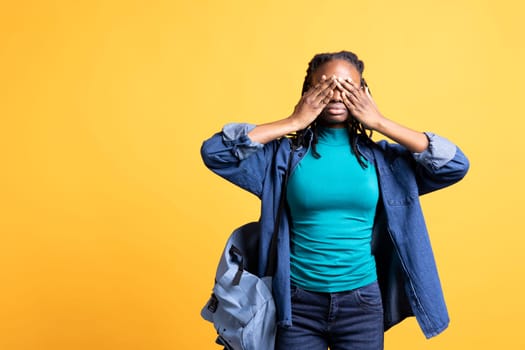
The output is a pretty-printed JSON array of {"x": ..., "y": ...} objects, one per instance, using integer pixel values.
[{"x": 351, "y": 320}]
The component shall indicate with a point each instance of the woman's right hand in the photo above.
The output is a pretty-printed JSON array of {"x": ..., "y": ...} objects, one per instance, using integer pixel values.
[
  {"x": 313, "y": 102},
  {"x": 309, "y": 107}
]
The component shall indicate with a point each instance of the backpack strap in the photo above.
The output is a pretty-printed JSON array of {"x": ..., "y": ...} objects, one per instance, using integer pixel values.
[
  {"x": 236, "y": 252},
  {"x": 272, "y": 259}
]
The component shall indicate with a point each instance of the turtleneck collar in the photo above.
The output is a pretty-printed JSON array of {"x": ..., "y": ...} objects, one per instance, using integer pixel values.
[{"x": 333, "y": 136}]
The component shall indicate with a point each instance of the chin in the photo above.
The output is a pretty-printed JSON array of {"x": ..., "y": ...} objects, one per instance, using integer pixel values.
[{"x": 332, "y": 119}]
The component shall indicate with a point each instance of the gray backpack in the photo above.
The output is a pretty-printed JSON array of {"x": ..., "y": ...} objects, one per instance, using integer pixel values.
[{"x": 241, "y": 306}]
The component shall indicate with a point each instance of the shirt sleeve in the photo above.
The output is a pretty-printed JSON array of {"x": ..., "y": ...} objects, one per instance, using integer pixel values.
[
  {"x": 236, "y": 135},
  {"x": 232, "y": 155},
  {"x": 438, "y": 153},
  {"x": 440, "y": 165}
]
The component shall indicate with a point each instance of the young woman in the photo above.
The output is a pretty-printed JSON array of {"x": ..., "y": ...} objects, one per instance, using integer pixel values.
[{"x": 354, "y": 256}]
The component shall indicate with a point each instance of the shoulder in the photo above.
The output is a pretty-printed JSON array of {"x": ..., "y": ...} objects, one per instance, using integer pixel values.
[
  {"x": 382, "y": 150},
  {"x": 390, "y": 149}
]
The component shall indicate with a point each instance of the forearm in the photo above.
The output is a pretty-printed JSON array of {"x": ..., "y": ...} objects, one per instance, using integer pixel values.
[
  {"x": 307, "y": 109},
  {"x": 414, "y": 141},
  {"x": 267, "y": 132},
  {"x": 364, "y": 109}
]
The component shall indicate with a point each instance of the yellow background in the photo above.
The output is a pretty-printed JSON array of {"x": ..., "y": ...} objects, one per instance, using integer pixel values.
[{"x": 111, "y": 227}]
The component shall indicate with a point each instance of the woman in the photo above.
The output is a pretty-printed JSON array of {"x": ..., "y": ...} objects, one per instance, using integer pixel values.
[{"x": 354, "y": 257}]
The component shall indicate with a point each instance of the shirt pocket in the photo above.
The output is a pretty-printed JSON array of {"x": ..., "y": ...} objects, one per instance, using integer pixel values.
[{"x": 398, "y": 183}]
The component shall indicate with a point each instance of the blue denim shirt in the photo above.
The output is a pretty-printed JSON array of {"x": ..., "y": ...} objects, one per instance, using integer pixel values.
[{"x": 406, "y": 269}]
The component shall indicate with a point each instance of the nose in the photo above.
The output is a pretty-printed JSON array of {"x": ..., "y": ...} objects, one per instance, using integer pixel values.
[{"x": 337, "y": 95}]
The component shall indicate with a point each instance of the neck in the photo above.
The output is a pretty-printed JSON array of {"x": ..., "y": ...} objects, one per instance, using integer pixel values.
[
  {"x": 332, "y": 136},
  {"x": 332, "y": 125}
]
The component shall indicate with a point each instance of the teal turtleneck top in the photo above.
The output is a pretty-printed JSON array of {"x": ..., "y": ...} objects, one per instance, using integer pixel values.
[{"x": 332, "y": 202}]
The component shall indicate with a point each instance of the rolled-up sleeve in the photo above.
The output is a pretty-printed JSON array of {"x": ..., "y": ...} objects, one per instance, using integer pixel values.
[
  {"x": 235, "y": 135},
  {"x": 231, "y": 154},
  {"x": 440, "y": 165},
  {"x": 438, "y": 153}
]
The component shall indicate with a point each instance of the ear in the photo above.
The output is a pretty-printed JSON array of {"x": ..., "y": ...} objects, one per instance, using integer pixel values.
[
  {"x": 369, "y": 95},
  {"x": 365, "y": 88}
]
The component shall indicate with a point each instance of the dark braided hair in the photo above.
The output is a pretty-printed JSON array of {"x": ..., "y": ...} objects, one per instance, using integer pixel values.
[{"x": 354, "y": 127}]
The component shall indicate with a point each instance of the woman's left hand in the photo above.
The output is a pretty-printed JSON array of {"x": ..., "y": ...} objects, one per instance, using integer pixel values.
[
  {"x": 364, "y": 109},
  {"x": 360, "y": 103}
]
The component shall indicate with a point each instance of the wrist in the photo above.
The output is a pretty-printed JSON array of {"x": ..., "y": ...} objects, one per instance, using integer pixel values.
[
  {"x": 381, "y": 124},
  {"x": 293, "y": 123}
]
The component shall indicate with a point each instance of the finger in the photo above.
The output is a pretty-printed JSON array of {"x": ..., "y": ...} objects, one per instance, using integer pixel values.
[
  {"x": 340, "y": 86},
  {"x": 313, "y": 89},
  {"x": 347, "y": 101},
  {"x": 327, "y": 98},
  {"x": 348, "y": 84},
  {"x": 330, "y": 83},
  {"x": 328, "y": 87},
  {"x": 321, "y": 82},
  {"x": 351, "y": 91},
  {"x": 368, "y": 94},
  {"x": 352, "y": 100}
]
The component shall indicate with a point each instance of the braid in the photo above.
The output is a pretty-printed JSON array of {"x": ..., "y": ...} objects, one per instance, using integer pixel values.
[{"x": 354, "y": 127}]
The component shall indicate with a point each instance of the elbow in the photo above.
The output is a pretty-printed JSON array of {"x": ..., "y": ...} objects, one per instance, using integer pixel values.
[
  {"x": 463, "y": 163},
  {"x": 215, "y": 154},
  {"x": 207, "y": 154}
]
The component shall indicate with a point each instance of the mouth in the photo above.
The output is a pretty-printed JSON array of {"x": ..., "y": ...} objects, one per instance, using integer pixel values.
[{"x": 335, "y": 108}]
